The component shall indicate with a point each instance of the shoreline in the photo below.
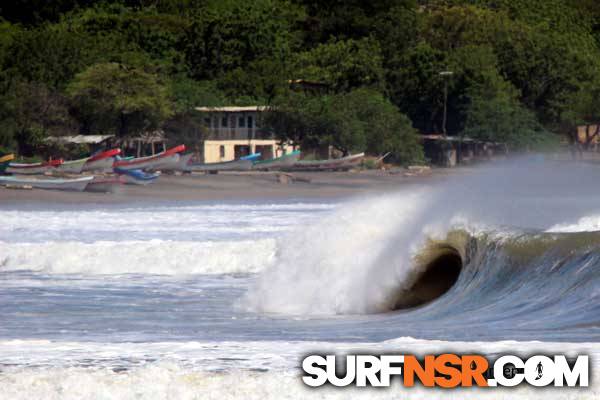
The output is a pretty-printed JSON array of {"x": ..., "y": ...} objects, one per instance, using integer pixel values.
[{"x": 241, "y": 186}]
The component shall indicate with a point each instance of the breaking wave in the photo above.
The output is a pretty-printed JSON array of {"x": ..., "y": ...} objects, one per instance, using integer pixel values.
[{"x": 497, "y": 233}]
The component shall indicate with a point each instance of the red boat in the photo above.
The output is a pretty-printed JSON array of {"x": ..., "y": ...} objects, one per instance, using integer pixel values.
[
  {"x": 101, "y": 161},
  {"x": 165, "y": 159}
]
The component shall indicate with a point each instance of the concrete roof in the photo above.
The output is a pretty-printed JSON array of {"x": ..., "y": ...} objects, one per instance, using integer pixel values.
[{"x": 231, "y": 109}]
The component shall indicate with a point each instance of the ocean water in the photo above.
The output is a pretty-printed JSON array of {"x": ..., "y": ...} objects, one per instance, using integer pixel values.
[{"x": 203, "y": 301}]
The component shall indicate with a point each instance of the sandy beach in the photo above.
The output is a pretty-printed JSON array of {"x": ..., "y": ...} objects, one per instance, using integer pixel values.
[{"x": 238, "y": 186}]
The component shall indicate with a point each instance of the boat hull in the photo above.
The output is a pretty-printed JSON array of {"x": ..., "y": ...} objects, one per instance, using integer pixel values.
[
  {"x": 72, "y": 167},
  {"x": 282, "y": 162},
  {"x": 152, "y": 163},
  {"x": 100, "y": 165},
  {"x": 344, "y": 163},
  {"x": 77, "y": 184},
  {"x": 37, "y": 170},
  {"x": 136, "y": 177},
  {"x": 34, "y": 168},
  {"x": 4, "y": 161},
  {"x": 236, "y": 165},
  {"x": 104, "y": 185}
]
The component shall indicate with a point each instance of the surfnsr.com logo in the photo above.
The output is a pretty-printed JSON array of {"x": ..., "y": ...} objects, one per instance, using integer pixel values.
[{"x": 445, "y": 370}]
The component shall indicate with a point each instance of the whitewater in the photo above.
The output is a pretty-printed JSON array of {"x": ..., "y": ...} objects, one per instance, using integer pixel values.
[{"x": 207, "y": 300}]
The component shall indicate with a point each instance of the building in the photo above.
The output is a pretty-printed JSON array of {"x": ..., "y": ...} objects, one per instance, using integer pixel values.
[
  {"x": 234, "y": 132},
  {"x": 588, "y": 136},
  {"x": 144, "y": 144},
  {"x": 448, "y": 151}
]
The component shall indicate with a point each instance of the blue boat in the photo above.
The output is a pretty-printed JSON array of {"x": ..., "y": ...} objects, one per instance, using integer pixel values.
[
  {"x": 137, "y": 176},
  {"x": 251, "y": 157}
]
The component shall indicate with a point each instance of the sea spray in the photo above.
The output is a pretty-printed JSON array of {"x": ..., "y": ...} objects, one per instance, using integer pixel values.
[{"x": 361, "y": 258}]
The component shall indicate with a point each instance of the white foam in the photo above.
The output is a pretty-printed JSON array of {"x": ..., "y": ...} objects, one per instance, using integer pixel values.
[
  {"x": 586, "y": 224},
  {"x": 175, "y": 223},
  {"x": 347, "y": 263},
  {"x": 228, "y": 370},
  {"x": 148, "y": 257}
]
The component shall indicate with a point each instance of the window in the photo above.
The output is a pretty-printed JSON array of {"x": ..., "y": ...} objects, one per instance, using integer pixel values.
[
  {"x": 207, "y": 122},
  {"x": 250, "y": 122},
  {"x": 224, "y": 122},
  {"x": 222, "y": 151},
  {"x": 241, "y": 122}
]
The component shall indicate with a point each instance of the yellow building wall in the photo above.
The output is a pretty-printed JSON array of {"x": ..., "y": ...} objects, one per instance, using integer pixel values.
[
  {"x": 212, "y": 148},
  {"x": 584, "y": 131}
]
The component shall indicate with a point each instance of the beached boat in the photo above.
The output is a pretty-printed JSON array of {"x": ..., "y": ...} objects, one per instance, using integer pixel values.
[
  {"x": 235, "y": 165},
  {"x": 33, "y": 168},
  {"x": 72, "y": 167},
  {"x": 181, "y": 165},
  {"x": 101, "y": 161},
  {"x": 282, "y": 162},
  {"x": 76, "y": 184},
  {"x": 136, "y": 176},
  {"x": 104, "y": 184},
  {"x": 167, "y": 159},
  {"x": 4, "y": 161},
  {"x": 344, "y": 163},
  {"x": 252, "y": 157}
]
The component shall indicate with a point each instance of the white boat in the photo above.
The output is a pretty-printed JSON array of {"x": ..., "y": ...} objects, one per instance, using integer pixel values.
[
  {"x": 182, "y": 164},
  {"x": 166, "y": 159},
  {"x": 72, "y": 167},
  {"x": 77, "y": 184},
  {"x": 33, "y": 168},
  {"x": 102, "y": 165},
  {"x": 102, "y": 161},
  {"x": 282, "y": 162},
  {"x": 234, "y": 165},
  {"x": 332, "y": 164}
]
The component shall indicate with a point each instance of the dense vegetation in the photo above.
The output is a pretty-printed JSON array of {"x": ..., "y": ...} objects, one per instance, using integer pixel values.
[{"x": 525, "y": 71}]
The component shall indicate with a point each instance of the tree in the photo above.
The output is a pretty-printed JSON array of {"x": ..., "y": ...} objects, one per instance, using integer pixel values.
[
  {"x": 343, "y": 64},
  {"x": 114, "y": 97},
  {"x": 231, "y": 34},
  {"x": 360, "y": 120},
  {"x": 32, "y": 112},
  {"x": 497, "y": 116}
]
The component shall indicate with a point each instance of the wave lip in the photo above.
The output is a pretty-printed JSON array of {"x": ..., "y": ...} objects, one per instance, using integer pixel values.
[{"x": 139, "y": 257}]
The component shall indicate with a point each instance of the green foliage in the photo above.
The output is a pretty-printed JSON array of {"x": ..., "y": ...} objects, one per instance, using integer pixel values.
[
  {"x": 231, "y": 34},
  {"x": 522, "y": 68},
  {"x": 343, "y": 64},
  {"x": 497, "y": 116},
  {"x": 31, "y": 112},
  {"x": 114, "y": 95},
  {"x": 360, "y": 120}
]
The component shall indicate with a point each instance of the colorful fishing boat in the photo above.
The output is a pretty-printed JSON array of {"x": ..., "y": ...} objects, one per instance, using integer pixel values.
[
  {"x": 136, "y": 176},
  {"x": 77, "y": 184},
  {"x": 285, "y": 161},
  {"x": 166, "y": 159},
  {"x": 252, "y": 157},
  {"x": 33, "y": 168},
  {"x": 104, "y": 184},
  {"x": 4, "y": 161},
  {"x": 338, "y": 164},
  {"x": 73, "y": 166},
  {"x": 184, "y": 161},
  {"x": 102, "y": 161},
  {"x": 234, "y": 165}
]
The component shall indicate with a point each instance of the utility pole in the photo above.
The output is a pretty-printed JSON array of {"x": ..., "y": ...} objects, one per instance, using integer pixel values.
[{"x": 446, "y": 75}]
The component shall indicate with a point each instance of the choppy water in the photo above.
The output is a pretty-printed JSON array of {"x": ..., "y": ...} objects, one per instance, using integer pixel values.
[{"x": 221, "y": 300}]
